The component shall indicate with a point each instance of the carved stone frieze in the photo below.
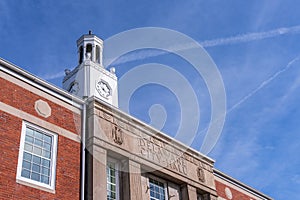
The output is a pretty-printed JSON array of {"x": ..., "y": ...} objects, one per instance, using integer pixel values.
[
  {"x": 107, "y": 117},
  {"x": 201, "y": 174},
  {"x": 117, "y": 135}
]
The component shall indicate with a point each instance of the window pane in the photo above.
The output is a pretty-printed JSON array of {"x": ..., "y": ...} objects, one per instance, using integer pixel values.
[
  {"x": 26, "y": 165},
  {"x": 111, "y": 181},
  {"x": 46, "y": 154},
  {"x": 47, "y": 139},
  {"x": 35, "y": 176},
  {"x": 46, "y": 163},
  {"x": 36, "y": 159},
  {"x": 29, "y": 139},
  {"x": 28, "y": 147},
  {"x": 157, "y": 190},
  {"x": 45, "y": 179},
  {"x": 36, "y": 164},
  {"x": 45, "y": 171},
  {"x": 37, "y": 150},
  {"x": 38, "y": 135},
  {"x": 25, "y": 173},
  {"x": 29, "y": 132},
  {"x": 27, "y": 156},
  {"x": 36, "y": 168},
  {"x": 47, "y": 146},
  {"x": 38, "y": 142}
]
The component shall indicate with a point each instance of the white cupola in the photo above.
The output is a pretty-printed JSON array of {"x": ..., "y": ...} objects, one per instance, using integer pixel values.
[
  {"x": 90, "y": 47},
  {"x": 90, "y": 78}
]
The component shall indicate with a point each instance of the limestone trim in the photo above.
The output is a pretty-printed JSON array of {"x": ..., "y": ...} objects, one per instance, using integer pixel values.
[
  {"x": 42, "y": 123},
  {"x": 42, "y": 108},
  {"x": 189, "y": 192},
  {"x": 125, "y": 121},
  {"x": 133, "y": 177},
  {"x": 100, "y": 143}
]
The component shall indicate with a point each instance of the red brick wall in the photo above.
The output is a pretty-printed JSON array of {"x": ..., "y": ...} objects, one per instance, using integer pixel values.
[
  {"x": 22, "y": 99},
  {"x": 68, "y": 151},
  {"x": 236, "y": 195},
  {"x": 67, "y": 167}
]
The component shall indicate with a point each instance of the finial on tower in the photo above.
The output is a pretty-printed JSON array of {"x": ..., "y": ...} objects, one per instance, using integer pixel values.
[{"x": 90, "y": 47}]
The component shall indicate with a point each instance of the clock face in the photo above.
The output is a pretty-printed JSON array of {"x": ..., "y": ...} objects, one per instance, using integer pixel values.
[{"x": 103, "y": 88}]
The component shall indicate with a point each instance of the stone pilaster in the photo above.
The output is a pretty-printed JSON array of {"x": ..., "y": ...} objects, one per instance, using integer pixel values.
[
  {"x": 189, "y": 192},
  {"x": 209, "y": 197},
  {"x": 131, "y": 176},
  {"x": 96, "y": 173}
]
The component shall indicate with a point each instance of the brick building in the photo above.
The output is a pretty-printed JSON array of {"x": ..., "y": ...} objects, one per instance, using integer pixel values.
[{"x": 74, "y": 143}]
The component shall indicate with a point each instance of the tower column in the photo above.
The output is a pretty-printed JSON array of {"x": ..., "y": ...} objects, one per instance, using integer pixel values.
[
  {"x": 100, "y": 56},
  {"x": 84, "y": 51},
  {"x": 94, "y": 53}
]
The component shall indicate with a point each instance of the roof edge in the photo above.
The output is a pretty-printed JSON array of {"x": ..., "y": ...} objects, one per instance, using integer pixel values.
[
  {"x": 240, "y": 184},
  {"x": 34, "y": 80}
]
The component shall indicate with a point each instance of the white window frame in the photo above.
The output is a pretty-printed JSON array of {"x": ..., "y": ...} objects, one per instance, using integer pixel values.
[
  {"x": 159, "y": 180},
  {"x": 29, "y": 182},
  {"x": 116, "y": 163}
]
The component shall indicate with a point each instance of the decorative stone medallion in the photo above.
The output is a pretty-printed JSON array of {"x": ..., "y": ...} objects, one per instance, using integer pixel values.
[
  {"x": 200, "y": 174},
  {"x": 42, "y": 108},
  {"x": 117, "y": 135},
  {"x": 228, "y": 193}
]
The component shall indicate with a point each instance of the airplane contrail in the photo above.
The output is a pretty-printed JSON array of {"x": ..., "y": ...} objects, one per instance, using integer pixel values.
[
  {"x": 242, "y": 38},
  {"x": 251, "y": 36},
  {"x": 263, "y": 84}
]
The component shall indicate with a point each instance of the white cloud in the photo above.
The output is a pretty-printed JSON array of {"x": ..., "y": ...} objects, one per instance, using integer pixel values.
[{"x": 52, "y": 76}]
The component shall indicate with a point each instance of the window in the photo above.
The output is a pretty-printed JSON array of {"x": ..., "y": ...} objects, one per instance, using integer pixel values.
[
  {"x": 37, "y": 157},
  {"x": 112, "y": 180},
  {"x": 157, "y": 190}
]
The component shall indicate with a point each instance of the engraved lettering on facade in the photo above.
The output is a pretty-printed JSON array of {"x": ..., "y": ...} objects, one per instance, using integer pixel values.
[
  {"x": 120, "y": 123},
  {"x": 107, "y": 116},
  {"x": 117, "y": 135},
  {"x": 158, "y": 151}
]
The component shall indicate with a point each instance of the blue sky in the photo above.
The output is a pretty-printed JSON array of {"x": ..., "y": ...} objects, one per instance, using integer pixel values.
[{"x": 254, "y": 44}]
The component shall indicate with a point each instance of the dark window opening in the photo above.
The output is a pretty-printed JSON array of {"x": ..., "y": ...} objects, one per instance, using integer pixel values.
[{"x": 80, "y": 54}]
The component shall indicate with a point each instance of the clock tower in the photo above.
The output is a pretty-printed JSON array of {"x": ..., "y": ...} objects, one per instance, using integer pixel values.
[{"x": 90, "y": 78}]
